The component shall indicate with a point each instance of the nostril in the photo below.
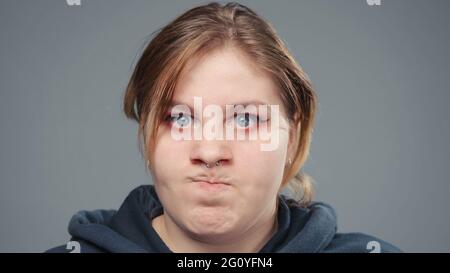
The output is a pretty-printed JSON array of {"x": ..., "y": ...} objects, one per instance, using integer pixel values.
[
  {"x": 218, "y": 163},
  {"x": 197, "y": 161},
  {"x": 223, "y": 162}
]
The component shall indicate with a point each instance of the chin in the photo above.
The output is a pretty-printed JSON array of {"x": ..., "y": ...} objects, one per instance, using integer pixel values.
[
  {"x": 212, "y": 236},
  {"x": 210, "y": 227}
]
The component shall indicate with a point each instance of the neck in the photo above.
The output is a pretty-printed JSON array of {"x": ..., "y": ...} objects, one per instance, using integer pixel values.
[{"x": 250, "y": 241}]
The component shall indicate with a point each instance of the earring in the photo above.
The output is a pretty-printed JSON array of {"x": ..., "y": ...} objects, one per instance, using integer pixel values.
[
  {"x": 148, "y": 163},
  {"x": 290, "y": 161}
]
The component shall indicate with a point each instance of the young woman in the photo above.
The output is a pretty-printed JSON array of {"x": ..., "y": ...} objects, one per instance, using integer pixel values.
[{"x": 213, "y": 74}]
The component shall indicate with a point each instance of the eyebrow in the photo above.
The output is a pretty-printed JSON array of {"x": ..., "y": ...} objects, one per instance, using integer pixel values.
[{"x": 244, "y": 103}]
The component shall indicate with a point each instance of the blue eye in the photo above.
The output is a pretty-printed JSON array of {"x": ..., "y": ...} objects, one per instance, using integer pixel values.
[
  {"x": 181, "y": 120},
  {"x": 246, "y": 120}
]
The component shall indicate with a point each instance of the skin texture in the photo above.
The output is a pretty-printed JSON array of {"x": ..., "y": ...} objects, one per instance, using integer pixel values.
[{"x": 240, "y": 216}]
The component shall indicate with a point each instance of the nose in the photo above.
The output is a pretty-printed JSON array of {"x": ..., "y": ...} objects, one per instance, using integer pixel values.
[{"x": 209, "y": 152}]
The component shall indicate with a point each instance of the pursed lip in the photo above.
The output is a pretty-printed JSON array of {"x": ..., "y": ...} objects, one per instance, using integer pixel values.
[{"x": 212, "y": 181}]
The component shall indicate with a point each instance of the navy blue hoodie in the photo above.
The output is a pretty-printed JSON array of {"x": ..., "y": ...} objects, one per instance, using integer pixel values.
[{"x": 129, "y": 229}]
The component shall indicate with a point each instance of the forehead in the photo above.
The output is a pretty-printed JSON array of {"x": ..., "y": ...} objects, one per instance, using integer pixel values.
[{"x": 225, "y": 76}]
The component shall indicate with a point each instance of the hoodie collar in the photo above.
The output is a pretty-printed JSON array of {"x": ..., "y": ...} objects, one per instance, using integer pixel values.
[{"x": 129, "y": 229}]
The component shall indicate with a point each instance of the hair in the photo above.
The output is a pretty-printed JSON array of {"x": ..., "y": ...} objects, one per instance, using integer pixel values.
[{"x": 198, "y": 31}]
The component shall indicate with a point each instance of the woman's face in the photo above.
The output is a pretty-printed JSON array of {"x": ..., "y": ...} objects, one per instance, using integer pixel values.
[{"x": 251, "y": 176}]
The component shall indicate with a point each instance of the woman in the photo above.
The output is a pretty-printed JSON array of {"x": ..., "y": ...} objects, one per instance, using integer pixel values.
[{"x": 214, "y": 74}]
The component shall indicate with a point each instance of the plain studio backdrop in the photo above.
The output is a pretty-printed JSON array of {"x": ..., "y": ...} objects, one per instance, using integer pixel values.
[{"x": 380, "y": 152}]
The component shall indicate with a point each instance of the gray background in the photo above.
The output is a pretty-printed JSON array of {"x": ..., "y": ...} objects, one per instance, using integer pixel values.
[{"x": 380, "y": 153}]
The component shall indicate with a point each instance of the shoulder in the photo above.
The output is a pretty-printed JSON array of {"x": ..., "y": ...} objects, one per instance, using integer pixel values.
[{"x": 357, "y": 242}]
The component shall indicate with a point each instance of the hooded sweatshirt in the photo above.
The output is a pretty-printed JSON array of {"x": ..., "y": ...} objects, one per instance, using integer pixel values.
[{"x": 300, "y": 229}]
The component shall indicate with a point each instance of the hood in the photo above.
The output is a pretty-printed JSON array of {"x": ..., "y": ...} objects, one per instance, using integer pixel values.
[{"x": 129, "y": 229}]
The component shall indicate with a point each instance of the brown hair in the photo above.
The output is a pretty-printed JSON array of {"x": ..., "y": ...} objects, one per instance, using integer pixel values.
[{"x": 195, "y": 32}]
